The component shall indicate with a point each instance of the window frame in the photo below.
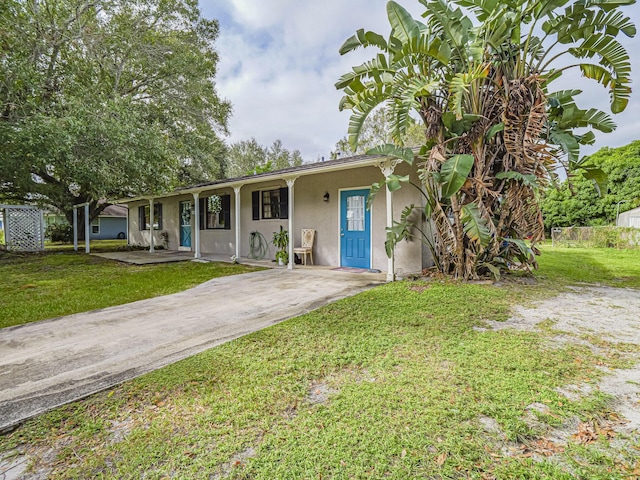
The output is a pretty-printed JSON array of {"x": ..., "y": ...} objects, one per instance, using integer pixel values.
[
  {"x": 259, "y": 205},
  {"x": 95, "y": 223},
  {"x": 143, "y": 224}
]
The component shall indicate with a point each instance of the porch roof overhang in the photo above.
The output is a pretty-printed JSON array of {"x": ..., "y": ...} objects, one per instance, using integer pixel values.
[{"x": 284, "y": 174}]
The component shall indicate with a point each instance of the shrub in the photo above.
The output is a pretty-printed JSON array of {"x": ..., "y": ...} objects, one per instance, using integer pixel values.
[{"x": 59, "y": 233}]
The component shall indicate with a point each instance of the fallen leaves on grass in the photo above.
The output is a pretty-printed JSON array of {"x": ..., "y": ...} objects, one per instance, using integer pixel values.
[
  {"x": 589, "y": 432},
  {"x": 543, "y": 447}
]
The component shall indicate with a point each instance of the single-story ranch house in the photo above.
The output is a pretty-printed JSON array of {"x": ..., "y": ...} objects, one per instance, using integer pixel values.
[{"x": 219, "y": 218}]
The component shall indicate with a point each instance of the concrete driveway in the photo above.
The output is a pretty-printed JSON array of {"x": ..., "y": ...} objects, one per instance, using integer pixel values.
[{"x": 53, "y": 362}]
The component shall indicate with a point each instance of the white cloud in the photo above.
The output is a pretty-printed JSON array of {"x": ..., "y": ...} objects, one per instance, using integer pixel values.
[{"x": 279, "y": 62}]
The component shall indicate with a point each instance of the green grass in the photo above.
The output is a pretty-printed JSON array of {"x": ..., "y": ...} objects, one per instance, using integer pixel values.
[
  {"x": 94, "y": 245},
  {"x": 620, "y": 268},
  {"x": 408, "y": 379},
  {"x": 40, "y": 286}
]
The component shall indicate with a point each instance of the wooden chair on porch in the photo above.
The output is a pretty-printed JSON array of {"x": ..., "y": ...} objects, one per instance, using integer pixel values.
[{"x": 308, "y": 236}]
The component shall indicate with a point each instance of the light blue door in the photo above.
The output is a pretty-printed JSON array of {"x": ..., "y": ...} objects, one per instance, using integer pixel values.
[
  {"x": 355, "y": 229},
  {"x": 185, "y": 224}
]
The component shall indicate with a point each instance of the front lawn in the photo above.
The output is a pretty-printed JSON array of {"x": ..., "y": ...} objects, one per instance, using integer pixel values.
[
  {"x": 393, "y": 383},
  {"x": 39, "y": 286}
]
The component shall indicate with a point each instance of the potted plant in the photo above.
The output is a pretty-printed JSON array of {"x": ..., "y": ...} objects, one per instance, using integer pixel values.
[{"x": 281, "y": 242}]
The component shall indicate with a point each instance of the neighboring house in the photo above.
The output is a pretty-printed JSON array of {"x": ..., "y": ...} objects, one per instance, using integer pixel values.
[
  {"x": 630, "y": 218},
  {"x": 110, "y": 224},
  {"x": 330, "y": 197}
]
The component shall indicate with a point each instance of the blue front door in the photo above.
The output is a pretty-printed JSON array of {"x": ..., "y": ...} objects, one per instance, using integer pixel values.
[
  {"x": 185, "y": 224},
  {"x": 355, "y": 229}
]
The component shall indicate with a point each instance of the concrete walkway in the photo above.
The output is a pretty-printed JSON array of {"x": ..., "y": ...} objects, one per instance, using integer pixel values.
[{"x": 53, "y": 362}]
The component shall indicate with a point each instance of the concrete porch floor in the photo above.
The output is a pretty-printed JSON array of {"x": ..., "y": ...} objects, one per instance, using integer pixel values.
[{"x": 144, "y": 257}]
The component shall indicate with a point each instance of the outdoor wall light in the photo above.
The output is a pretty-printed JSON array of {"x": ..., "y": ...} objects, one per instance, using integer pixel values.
[{"x": 325, "y": 197}]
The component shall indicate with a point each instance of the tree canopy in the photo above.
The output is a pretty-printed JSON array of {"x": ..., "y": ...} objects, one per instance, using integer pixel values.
[
  {"x": 577, "y": 201},
  {"x": 376, "y": 130},
  {"x": 247, "y": 157},
  {"x": 479, "y": 74},
  {"x": 107, "y": 98}
]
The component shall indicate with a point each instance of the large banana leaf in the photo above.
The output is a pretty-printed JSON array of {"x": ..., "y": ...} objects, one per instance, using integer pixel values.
[
  {"x": 370, "y": 69},
  {"x": 614, "y": 58},
  {"x": 390, "y": 150},
  {"x": 363, "y": 39},
  {"x": 453, "y": 173},
  {"x": 362, "y": 105},
  {"x": 459, "y": 86},
  {"x": 428, "y": 45},
  {"x": 619, "y": 91},
  {"x": 475, "y": 226},
  {"x": 482, "y": 9},
  {"x": 579, "y": 22},
  {"x": 405, "y": 28},
  {"x": 451, "y": 25}
]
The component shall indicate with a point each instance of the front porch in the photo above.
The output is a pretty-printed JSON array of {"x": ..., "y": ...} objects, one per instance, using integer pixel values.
[{"x": 145, "y": 257}]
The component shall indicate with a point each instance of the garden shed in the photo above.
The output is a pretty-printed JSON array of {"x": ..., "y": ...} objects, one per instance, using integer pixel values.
[
  {"x": 630, "y": 218},
  {"x": 23, "y": 228}
]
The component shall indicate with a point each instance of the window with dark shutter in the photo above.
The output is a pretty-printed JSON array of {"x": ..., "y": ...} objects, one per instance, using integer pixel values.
[
  {"x": 215, "y": 212},
  {"x": 201, "y": 213},
  {"x": 255, "y": 205},
  {"x": 270, "y": 204},
  {"x": 226, "y": 211},
  {"x": 284, "y": 202},
  {"x": 142, "y": 219},
  {"x": 157, "y": 216}
]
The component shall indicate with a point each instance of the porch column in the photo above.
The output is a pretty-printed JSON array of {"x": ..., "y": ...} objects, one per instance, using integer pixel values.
[
  {"x": 387, "y": 167},
  {"x": 75, "y": 228},
  {"x": 151, "y": 218},
  {"x": 196, "y": 223},
  {"x": 87, "y": 228},
  {"x": 127, "y": 230},
  {"x": 236, "y": 190},
  {"x": 290, "y": 182}
]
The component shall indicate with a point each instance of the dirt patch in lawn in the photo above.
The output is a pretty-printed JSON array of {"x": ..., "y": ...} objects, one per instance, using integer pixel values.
[{"x": 607, "y": 320}]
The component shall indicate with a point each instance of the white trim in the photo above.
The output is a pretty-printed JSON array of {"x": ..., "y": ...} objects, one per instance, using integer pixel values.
[
  {"x": 290, "y": 204},
  {"x": 236, "y": 203},
  {"x": 340, "y": 190},
  {"x": 87, "y": 229},
  {"x": 152, "y": 217},
  {"x": 75, "y": 228},
  {"x": 196, "y": 221},
  {"x": 278, "y": 175}
]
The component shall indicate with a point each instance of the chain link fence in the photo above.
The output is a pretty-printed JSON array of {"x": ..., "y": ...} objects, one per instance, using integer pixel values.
[{"x": 596, "y": 237}]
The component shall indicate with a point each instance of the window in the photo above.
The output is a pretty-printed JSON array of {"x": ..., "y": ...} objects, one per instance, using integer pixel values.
[
  {"x": 144, "y": 218},
  {"x": 270, "y": 204},
  {"x": 355, "y": 213},
  {"x": 95, "y": 226},
  {"x": 215, "y": 212}
]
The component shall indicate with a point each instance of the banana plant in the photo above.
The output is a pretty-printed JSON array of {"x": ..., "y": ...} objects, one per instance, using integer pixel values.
[{"x": 478, "y": 74}]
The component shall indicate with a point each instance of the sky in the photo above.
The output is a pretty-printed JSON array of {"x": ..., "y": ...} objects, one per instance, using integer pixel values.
[{"x": 279, "y": 63}]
